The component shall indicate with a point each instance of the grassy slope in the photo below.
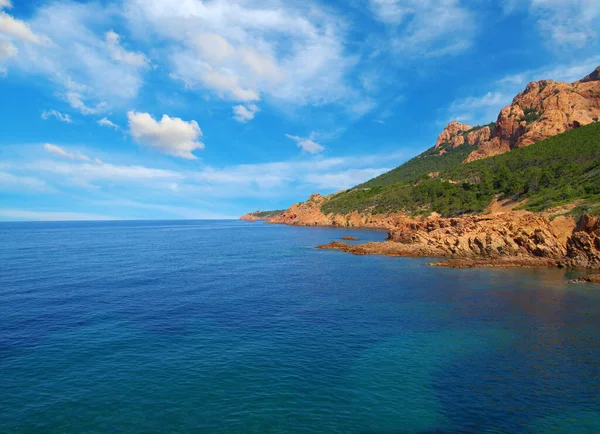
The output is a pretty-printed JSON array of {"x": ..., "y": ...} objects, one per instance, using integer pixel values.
[
  {"x": 428, "y": 162},
  {"x": 552, "y": 172}
]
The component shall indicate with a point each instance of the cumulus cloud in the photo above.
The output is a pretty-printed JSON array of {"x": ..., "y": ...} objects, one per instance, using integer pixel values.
[
  {"x": 105, "y": 122},
  {"x": 307, "y": 144},
  {"x": 245, "y": 113},
  {"x": 61, "y": 152},
  {"x": 46, "y": 114},
  {"x": 172, "y": 136}
]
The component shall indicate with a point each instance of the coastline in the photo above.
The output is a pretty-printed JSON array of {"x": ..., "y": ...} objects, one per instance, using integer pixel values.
[{"x": 505, "y": 239}]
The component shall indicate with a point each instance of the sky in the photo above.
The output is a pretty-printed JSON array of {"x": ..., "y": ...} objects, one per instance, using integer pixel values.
[{"x": 207, "y": 109}]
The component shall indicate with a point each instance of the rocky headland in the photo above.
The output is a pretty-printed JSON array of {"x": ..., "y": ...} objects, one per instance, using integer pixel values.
[{"x": 502, "y": 235}]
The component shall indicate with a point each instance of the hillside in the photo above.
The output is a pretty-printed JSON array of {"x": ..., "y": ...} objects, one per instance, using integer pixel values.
[{"x": 549, "y": 173}]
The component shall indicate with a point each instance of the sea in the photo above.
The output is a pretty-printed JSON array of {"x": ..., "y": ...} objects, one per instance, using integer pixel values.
[{"x": 237, "y": 327}]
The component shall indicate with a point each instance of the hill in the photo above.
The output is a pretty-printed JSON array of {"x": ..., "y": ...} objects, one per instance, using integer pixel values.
[{"x": 549, "y": 173}]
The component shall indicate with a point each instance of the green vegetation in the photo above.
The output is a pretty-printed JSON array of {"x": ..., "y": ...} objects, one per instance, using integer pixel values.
[
  {"x": 421, "y": 166},
  {"x": 267, "y": 214},
  {"x": 550, "y": 173},
  {"x": 431, "y": 161},
  {"x": 531, "y": 115}
]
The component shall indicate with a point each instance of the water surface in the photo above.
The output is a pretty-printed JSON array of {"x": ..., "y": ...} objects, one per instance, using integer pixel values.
[{"x": 235, "y": 327}]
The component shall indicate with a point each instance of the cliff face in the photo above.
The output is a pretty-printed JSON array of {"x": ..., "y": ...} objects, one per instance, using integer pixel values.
[{"x": 544, "y": 109}]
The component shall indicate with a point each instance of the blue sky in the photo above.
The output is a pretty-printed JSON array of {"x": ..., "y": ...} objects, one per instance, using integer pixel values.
[{"x": 171, "y": 109}]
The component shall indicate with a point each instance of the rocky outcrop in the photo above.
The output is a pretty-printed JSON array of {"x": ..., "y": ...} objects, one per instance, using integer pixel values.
[
  {"x": 513, "y": 239},
  {"x": 453, "y": 134},
  {"x": 250, "y": 217},
  {"x": 544, "y": 109},
  {"x": 592, "y": 278},
  {"x": 583, "y": 247},
  {"x": 309, "y": 214},
  {"x": 304, "y": 213},
  {"x": 515, "y": 234}
]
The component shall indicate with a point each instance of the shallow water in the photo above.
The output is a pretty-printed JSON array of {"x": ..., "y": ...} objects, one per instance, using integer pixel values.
[{"x": 230, "y": 327}]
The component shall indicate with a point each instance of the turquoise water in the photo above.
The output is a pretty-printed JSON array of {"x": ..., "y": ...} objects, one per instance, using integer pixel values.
[{"x": 234, "y": 327}]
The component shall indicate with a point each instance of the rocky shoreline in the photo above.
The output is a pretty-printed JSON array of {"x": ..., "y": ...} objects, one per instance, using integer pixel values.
[{"x": 507, "y": 238}]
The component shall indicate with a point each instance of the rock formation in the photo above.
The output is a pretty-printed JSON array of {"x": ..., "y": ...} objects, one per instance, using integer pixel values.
[
  {"x": 583, "y": 247},
  {"x": 453, "y": 134},
  {"x": 544, "y": 109}
]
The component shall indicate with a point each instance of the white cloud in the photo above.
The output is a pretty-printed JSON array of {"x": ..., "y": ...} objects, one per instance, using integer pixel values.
[
  {"x": 90, "y": 69},
  {"x": 307, "y": 144},
  {"x": 246, "y": 51},
  {"x": 7, "y": 49},
  {"x": 74, "y": 99},
  {"x": 245, "y": 113},
  {"x": 61, "y": 152},
  {"x": 56, "y": 114},
  {"x": 119, "y": 54},
  {"x": 265, "y": 180},
  {"x": 426, "y": 27},
  {"x": 20, "y": 214},
  {"x": 105, "y": 122},
  {"x": 569, "y": 23},
  {"x": 227, "y": 85},
  {"x": 88, "y": 172},
  {"x": 172, "y": 136},
  {"x": 19, "y": 30},
  {"x": 479, "y": 109}
]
